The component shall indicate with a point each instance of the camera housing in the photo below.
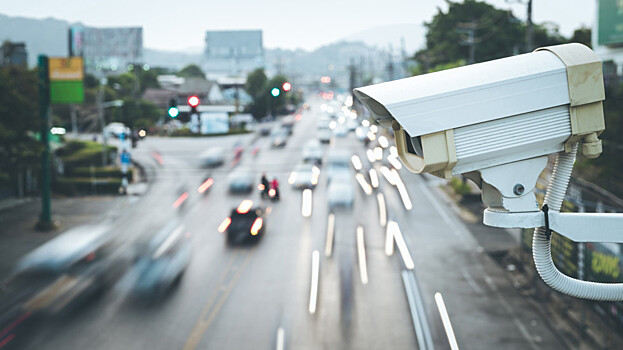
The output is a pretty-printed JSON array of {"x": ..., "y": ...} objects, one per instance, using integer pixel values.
[{"x": 498, "y": 112}]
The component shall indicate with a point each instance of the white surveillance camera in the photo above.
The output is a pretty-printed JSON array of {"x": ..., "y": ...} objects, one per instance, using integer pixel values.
[
  {"x": 471, "y": 119},
  {"x": 496, "y": 123}
]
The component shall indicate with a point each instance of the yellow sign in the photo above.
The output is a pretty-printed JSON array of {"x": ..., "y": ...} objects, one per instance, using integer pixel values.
[{"x": 65, "y": 69}]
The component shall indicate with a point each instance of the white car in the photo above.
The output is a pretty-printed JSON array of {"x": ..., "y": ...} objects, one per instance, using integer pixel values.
[
  {"x": 212, "y": 157},
  {"x": 312, "y": 151},
  {"x": 304, "y": 176},
  {"x": 341, "y": 192},
  {"x": 115, "y": 130}
]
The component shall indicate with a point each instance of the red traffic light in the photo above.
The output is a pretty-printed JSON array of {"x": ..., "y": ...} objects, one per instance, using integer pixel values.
[
  {"x": 286, "y": 86},
  {"x": 193, "y": 101}
]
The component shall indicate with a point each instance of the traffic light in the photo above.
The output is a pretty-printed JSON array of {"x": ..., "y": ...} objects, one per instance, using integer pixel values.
[
  {"x": 193, "y": 102},
  {"x": 286, "y": 86},
  {"x": 275, "y": 92},
  {"x": 173, "y": 111}
]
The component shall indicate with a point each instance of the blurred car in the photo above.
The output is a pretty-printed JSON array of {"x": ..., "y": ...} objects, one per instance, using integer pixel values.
[
  {"x": 340, "y": 131},
  {"x": 323, "y": 122},
  {"x": 60, "y": 276},
  {"x": 212, "y": 157},
  {"x": 341, "y": 191},
  {"x": 351, "y": 124},
  {"x": 245, "y": 224},
  {"x": 338, "y": 161},
  {"x": 280, "y": 137},
  {"x": 115, "y": 130},
  {"x": 241, "y": 181},
  {"x": 312, "y": 151},
  {"x": 287, "y": 124},
  {"x": 160, "y": 261},
  {"x": 324, "y": 135},
  {"x": 264, "y": 130},
  {"x": 304, "y": 176}
]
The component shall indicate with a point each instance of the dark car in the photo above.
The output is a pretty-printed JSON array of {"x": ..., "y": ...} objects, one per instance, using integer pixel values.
[
  {"x": 241, "y": 181},
  {"x": 161, "y": 260},
  {"x": 245, "y": 224}
]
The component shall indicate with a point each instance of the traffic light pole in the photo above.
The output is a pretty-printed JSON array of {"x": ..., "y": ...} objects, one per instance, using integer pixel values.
[{"x": 45, "y": 220}]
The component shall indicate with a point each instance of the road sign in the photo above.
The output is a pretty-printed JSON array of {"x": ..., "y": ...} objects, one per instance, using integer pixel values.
[{"x": 66, "y": 75}]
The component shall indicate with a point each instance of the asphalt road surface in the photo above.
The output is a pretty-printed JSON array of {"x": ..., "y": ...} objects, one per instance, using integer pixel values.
[{"x": 297, "y": 289}]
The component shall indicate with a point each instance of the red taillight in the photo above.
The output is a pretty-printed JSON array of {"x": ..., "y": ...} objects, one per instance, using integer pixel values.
[
  {"x": 257, "y": 225},
  {"x": 272, "y": 192},
  {"x": 205, "y": 185},
  {"x": 261, "y": 187},
  {"x": 224, "y": 225},
  {"x": 90, "y": 257},
  {"x": 180, "y": 200}
]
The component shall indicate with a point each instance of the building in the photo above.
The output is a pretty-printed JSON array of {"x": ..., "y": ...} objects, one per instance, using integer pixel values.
[
  {"x": 107, "y": 50},
  {"x": 233, "y": 53},
  {"x": 607, "y": 40},
  {"x": 13, "y": 54}
]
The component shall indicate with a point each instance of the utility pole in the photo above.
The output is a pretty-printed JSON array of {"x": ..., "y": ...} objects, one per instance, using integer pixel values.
[
  {"x": 45, "y": 220},
  {"x": 529, "y": 34},
  {"x": 100, "y": 112},
  {"x": 470, "y": 30}
]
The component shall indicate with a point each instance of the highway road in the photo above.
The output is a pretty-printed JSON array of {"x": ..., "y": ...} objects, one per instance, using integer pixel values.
[{"x": 318, "y": 282}]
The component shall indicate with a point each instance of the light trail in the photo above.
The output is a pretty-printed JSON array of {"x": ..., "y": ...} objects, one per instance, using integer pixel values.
[
  {"x": 394, "y": 229},
  {"x": 361, "y": 253},
  {"x": 328, "y": 248},
  {"x": 364, "y": 184},
  {"x": 382, "y": 209},
  {"x": 313, "y": 294},
  {"x": 445, "y": 318},
  {"x": 306, "y": 208},
  {"x": 374, "y": 178}
]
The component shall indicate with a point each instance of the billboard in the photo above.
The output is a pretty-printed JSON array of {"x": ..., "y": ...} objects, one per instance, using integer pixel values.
[
  {"x": 106, "y": 49},
  {"x": 66, "y": 75},
  {"x": 610, "y": 26},
  {"x": 214, "y": 123}
]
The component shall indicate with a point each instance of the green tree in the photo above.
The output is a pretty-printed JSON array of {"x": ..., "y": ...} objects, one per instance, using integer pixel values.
[
  {"x": 497, "y": 33},
  {"x": 19, "y": 121},
  {"x": 191, "y": 70},
  {"x": 256, "y": 88},
  {"x": 582, "y": 36}
]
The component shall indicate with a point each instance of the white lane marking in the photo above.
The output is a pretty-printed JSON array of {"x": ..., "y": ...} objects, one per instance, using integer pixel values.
[
  {"x": 361, "y": 253},
  {"x": 306, "y": 208},
  {"x": 382, "y": 209},
  {"x": 280, "y": 338},
  {"x": 328, "y": 248},
  {"x": 313, "y": 294},
  {"x": 393, "y": 227},
  {"x": 418, "y": 315},
  {"x": 389, "y": 241},
  {"x": 445, "y": 318},
  {"x": 471, "y": 281}
]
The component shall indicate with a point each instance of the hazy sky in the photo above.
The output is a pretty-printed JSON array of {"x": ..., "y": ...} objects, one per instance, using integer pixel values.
[{"x": 176, "y": 25}]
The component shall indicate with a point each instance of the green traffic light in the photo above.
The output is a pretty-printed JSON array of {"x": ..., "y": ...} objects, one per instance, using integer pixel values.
[
  {"x": 173, "y": 112},
  {"x": 275, "y": 92}
]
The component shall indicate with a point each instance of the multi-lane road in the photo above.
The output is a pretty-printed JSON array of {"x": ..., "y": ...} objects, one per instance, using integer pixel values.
[{"x": 318, "y": 282}]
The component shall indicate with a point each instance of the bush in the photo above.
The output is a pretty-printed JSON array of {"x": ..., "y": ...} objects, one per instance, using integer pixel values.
[
  {"x": 83, "y": 153},
  {"x": 459, "y": 187},
  {"x": 99, "y": 172},
  {"x": 84, "y": 186}
]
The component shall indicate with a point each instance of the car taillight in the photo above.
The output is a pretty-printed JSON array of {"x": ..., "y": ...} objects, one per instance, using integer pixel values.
[
  {"x": 205, "y": 185},
  {"x": 257, "y": 225},
  {"x": 224, "y": 225}
]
